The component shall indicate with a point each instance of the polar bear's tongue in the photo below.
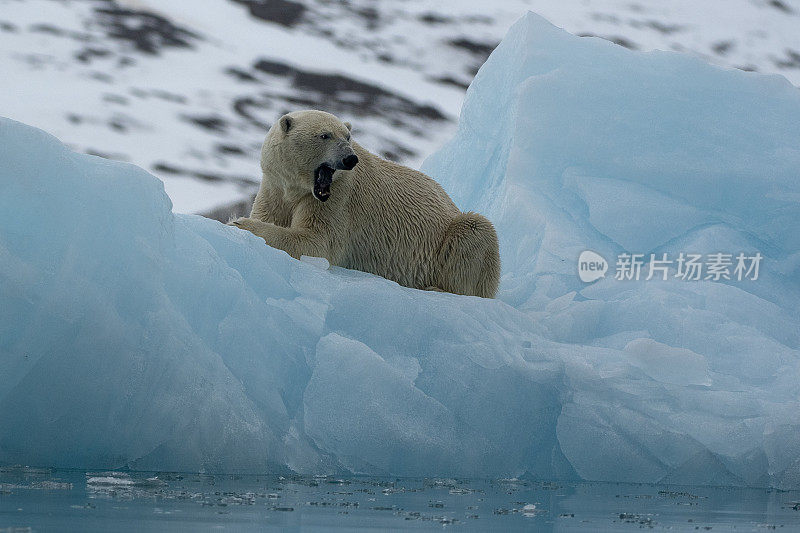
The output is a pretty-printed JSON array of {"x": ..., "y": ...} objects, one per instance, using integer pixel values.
[{"x": 323, "y": 177}]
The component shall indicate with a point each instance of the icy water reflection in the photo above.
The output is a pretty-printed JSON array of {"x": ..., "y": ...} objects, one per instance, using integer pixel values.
[{"x": 57, "y": 500}]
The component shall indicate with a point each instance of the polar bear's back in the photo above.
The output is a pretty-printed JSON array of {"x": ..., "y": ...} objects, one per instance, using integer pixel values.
[{"x": 398, "y": 217}]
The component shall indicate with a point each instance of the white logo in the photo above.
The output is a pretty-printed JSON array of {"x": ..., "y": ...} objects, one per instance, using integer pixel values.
[{"x": 591, "y": 266}]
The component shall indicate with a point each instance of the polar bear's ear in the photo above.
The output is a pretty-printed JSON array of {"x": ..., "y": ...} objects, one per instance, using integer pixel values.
[
  {"x": 286, "y": 123},
  {"x": 349, "y": 126}
]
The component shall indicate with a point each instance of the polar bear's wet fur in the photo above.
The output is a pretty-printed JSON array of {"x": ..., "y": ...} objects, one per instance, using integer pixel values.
[{"x": 323, "y": 195}]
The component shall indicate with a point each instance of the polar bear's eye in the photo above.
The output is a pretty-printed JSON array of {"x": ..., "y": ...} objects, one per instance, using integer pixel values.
[{"x": 324, "y": 136}]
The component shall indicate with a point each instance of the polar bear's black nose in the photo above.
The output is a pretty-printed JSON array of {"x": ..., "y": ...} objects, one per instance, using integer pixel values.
[{"x": 349, "y": 162}]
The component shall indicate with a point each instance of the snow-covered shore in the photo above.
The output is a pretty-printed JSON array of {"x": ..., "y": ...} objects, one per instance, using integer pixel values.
[{"x": 186, "y": 91}]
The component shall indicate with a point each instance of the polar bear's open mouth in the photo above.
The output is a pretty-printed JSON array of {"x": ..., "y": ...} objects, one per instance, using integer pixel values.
[{"x": 323, "y": 177}]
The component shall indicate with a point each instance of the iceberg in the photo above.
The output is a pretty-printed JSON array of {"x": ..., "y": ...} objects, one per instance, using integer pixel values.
[{"x": 133, "y": 337}]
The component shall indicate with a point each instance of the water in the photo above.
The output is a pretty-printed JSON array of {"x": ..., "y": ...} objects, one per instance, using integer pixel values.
[{"x": 67, "y": 500}]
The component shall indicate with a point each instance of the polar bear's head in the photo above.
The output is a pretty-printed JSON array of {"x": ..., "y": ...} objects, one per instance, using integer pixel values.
[{"x": 309, "y": 147}]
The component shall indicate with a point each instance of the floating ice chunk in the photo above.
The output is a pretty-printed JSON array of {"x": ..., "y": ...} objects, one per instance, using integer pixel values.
[{"x": 110, "y": 481}]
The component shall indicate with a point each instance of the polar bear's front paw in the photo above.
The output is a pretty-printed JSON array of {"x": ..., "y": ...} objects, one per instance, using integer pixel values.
[
  {"x": 254, "y": 226},
  {"x": 242, "y": 222}
]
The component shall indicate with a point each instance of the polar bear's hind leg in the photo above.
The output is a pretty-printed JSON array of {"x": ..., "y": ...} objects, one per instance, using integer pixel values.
[{"x": 469, "y": 259}]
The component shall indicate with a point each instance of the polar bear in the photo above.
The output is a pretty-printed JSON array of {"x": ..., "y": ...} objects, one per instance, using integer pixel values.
[{"x": 323, "y": 195}]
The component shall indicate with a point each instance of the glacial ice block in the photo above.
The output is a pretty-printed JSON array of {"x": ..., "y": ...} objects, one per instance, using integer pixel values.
[{"x": 134, "y": 337}]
